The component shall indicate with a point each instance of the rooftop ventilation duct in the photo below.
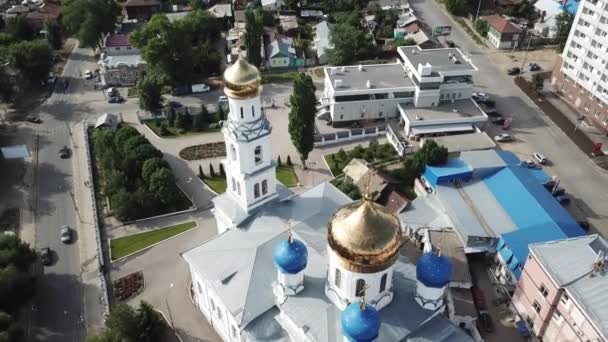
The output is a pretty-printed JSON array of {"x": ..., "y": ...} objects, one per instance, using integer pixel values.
[{"x": 337, "y": 84}]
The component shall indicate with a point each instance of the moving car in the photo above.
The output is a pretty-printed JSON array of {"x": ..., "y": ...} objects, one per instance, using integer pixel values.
[
  {"x": 116, "y": 99},
  {"x": 513, "y": 71},
  {"x": 563, "y": 199},
  {"x": 488, "y": 109},
  {"x": 540, "y": 158},
  {"x": 497, "y": 120},
  {"x": 66, "y": 234},
  {"x": 33, "y": 119},
  {"x": 558, "y": 192},
  {"x": 533, "y": 67},
  {"x": 65, "y": 152},
  {"x": 584, "y": 225},
  {"x": 479, "y": 96},
  {"x": 450, "y": 43},
  {"x": 485, "y": 320},
  {"x": 530, "y": 164},
  {"x": 174, "y": 104},
  {"x": 45, "y": 256},
  {"x": 88, "y": 74},
  {"x": 504, "y": 137}
]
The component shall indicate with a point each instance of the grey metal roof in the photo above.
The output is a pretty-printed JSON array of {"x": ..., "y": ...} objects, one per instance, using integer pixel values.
[
  {"x": 248, "y": 131},
  {"x": 381, "y": 76},
  {"x": 450, "y": 245},
  {"x": 122, "y": 60},
  {"x": 439, "y": 329},
  {"x": 438, "y": 58},
  {"x": 322, "y": 37},
  {"x": 425, "y": 212},
  {"x": 465, "y": 142},
  {"x": 569, "y": 263},
  {"x": 239, "y": 264},
  {"x": 279, "y": 47},
  {"x": 482, "y": 159},
  {"x": 466, "y": 220}
]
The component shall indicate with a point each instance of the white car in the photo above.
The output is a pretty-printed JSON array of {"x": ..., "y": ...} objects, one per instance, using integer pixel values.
[
  {"x": 88, "y": 74},
  {"x": 540, "y": 158},
  {"x": 222, "y": 98},
  {"x": 504, "y": 137},
  {"x": 111, "y": 91},
  {"x": 479, "y": 96}
]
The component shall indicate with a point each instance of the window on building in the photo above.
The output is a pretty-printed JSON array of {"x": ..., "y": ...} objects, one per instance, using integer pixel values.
[
  {"x": 341, "y": 116},
  {"x": 383, "y": 282},
  {"x": 587, "y": 106},
  {"x": 258, "y": 154},
  {"x": 212, "y": 304},
  {"x": 360, "y": 288},
  {"x": 198, "y": 285},
  {"x": 242, "y": 115},
  {"x": 232, "y": 152},
  {"x": 337, "y": 278},
  {"x": 233, "y": 184},
  {"x": 256, "y": 190},
  {"x": 238, "y": 188},
  {"x": 380, "y": 114},
  {"x": 557, "y": 315},
  {"x": 264, "y": 187},
  {"x": 530, "y": 322},
  {"x": 219, "y": 313},
  {"x": 543, "y": 290},
  {"x": 564, "y": 298},
  {"x": 536, "y": 306},
  {"x": 253, "y": 111}
]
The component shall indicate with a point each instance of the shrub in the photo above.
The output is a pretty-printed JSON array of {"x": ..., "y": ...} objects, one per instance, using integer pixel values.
[
  {"x": 164, "y": 130},
  {"x": 211, "y": 171},
  {"x": 222, "y": 171},
  {"x": 279, "y": 161},
  {"x": 201, "y": 174},
  {"x": 289, "y": 161},
  {"x": 482, "y": 27}
]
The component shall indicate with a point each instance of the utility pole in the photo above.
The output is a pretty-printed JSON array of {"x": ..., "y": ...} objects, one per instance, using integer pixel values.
[
  {"x": 523, "y": 62},
  {"x": 478, "y": 8}
]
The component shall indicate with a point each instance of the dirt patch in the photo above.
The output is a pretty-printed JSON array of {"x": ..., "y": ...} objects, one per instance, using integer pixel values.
[
  {"x": 577, "y": 136},
  {"x": 9, "y": 220},
  {"x": 204, "y": 151},
  {"x": 128, "y": 286}
]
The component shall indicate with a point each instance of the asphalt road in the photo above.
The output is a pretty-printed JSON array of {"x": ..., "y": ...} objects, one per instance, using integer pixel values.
[
  {"x": 58, "y": 304},
  {"x": 531, "y": 128}
]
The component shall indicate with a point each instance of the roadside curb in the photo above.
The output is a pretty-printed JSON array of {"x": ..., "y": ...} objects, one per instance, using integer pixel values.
[
  {"x": 147, "y": 247},
  {"x": 169, "y": 324},
  {"x": 207, "y": 186}
]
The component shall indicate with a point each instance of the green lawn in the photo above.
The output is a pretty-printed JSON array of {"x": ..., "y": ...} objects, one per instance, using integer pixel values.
[
  {"x": 285, "y": 175},
  {"x": 126, "y": 245},
  {"x": 174, "y": 132},
  {"x": 218, "y": 184},
  {"x": 374, "y": 152},
  {"x": 279, "y": 77}
]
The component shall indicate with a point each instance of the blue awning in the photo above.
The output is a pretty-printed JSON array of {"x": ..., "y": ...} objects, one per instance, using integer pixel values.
[
  {"x": 513, "y": 264},
  {"x": 506, "y": 255},
  {"x": 500, "y": 244},
  {"x": 523, "y": 328}
]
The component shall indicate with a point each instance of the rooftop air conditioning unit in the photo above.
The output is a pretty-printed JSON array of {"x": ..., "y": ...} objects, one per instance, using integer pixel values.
[
  {"x": 343, "y": 69},
  {"x": 337, "y": 84},
  {"x": 360, "y": 67},
  {"x": 414, "y": 51},
  {"x": 368, "y": 84},
  {"x": 333, "y": 71}
]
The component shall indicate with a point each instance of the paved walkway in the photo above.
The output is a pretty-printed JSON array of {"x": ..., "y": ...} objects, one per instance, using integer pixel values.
[{"x": 161, "y": 222}]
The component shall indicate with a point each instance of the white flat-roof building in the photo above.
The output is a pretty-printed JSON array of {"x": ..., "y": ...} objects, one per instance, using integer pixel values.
[{"x": 429, "y": 90}]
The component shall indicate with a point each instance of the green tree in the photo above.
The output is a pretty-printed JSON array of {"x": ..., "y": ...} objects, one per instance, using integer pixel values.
[
  {"x": 16, "y": 286},
  {"x": 302, "y": 115},
  {"x": 89, "y": 20},
  {"x": 152, "y": 165},
  {"x": 350, "y": 41},
  {"x": 289, "y": 163},
  {"x": 211, "y": 171},
  {"x": 180, "y": 121},
  {"x": 13, "y": 251},
  {"x": 538, "y": 82},
  {"x": 563, "y": 24},
  {"x": 149, "y": 89},
  {"x": 125, "y": 324},
  {"x": 162, "y": 185},
  {"x": 457, "y": 7},
  {"x": 171, "y": 116},
  {"x": 221, "y": 113},
  {"x": 253, "y": 36},
  {"x": 197, "y": 123},
  {"x": 279, "y": 162},
  {"x": 482, "y": 27},
  {"x": 53, "y": 33},
  {"x": 187, "y": 119},
  {"x": 124, "y": 205},
  {"x": 222, "y": 171},
  {"x": 403, "y": 42},
  {"x": 151, "y": 325},
  {"x": 115, "y": 181},
  {"x": 32, "y": 58},
  {"x": 20, "y": 28},
  {"x": 123, "y": 321}
]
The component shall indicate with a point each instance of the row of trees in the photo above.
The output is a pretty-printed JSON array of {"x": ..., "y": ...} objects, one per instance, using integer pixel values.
[
  {"x": 16, "y": 284},
  {"x": 254, "y": 29},
  {"x": 350, "y": 41},
  {"x": 126, "y": 324},
  {"x": 430, "y": 154},
  {"x": 89, "y": 20},
  {"x": 138, "y": 182},
  {"x": 177, "y": 50}
]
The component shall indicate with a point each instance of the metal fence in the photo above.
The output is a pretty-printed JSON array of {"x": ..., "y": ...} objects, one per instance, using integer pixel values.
[
  {"x": 352, "y": 134},
  {"x": 100, "y": 259}
]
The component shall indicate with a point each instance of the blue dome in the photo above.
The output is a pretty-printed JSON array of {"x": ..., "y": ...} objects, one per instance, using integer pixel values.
[
  {"x": 290, "y": 257},
  {"x": 360, "y": 325},
  {"x": 434, "y": 270}
]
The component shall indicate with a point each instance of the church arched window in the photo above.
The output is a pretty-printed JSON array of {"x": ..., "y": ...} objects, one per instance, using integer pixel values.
[
  {"x": 242, "y": 115},
  {"x": 258, "y": 154},
  {"x": 337, "y": 278},
  {"x": 233, "y": 184},
  {"x": 383, "y": 282},
  {"x": 253, "y": 111},
  {"x": 256, "y": 190},
  {"x": 264, "y": 187},
  {"x": 238, "y": 188},
  {"x": 232, "y": 152},
  {"x": 360, "y": 289}
]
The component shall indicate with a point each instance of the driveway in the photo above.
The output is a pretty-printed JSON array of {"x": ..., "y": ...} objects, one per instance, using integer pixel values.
[
  {"x": 167, "y": 277},
  {"x": 531, "y": 128}
]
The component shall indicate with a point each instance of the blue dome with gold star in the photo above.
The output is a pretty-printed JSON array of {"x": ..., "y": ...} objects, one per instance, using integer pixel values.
[
  {"x": 360, "y": 322},
  {"x": 290, "y": 256},
  {"x": 434, "y": 270}
]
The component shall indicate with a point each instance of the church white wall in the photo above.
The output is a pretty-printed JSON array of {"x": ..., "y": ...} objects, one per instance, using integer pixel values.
[
  {"x": 242, "y": 155},
  {"x": 345, "y": 292},
  {"x": 251, "y": 109},
  {"x": 432, "y": 298}
]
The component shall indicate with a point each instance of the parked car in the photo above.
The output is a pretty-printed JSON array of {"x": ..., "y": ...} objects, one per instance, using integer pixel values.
[
  {"x": 479, "y": 96},
  {"x": 200, "y": 88},
  {"x": 222, "y": 98},
  {"x": 504, "y": 137},
  {"x": 174, "y": 104},
  {"x": 534, "y": 67},
  {"x": 584, "y": 225},
  {"x": 66, "y": 234},
  {"x": 513, "y": 71},
  {"x": 563, "y": 199},
  {"x": 33, "y": 119},
  {"x": 558, "y": 192},
  {"x": 450, "y": 44},
  {"x": 116, "y": 99},
  {"x": 51, "y": 79},
  {"x": 485, "y": 320},
  {"x": 88, "y": 74},
  {"x": 46, "y": 258},
  {"x": 497, "y": 120},
  {"x": 111, "y": 91},
  {"x": 488, "y": 109},
  {"x": 65, "y": 152},
  {"x": 540, "y": 158},
  {"x": 530, "y": 164},
  {"x": 180, "y": 90}
]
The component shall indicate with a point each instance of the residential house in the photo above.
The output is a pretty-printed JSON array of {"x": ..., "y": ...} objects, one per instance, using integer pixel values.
[
  {"x": 142, "y": 9},
  {"x": 547, "y": 11},
  {"x": 387, "y": 5},
  {"x": 322, "y": 40},
  {"x": 18, "y": 10},
  {"x": 273, "y": 5},
  {"x": 562, "y": 292},
  {"x": 221, "y": 11},
  {"x": 121, "y": 63},
  {"x": 280, "y": 53},
  {"x": 47, "y": 11},
  {"x": 289, "y": 24},
  {"x": 503, "y": 34},
  {"x": 108, "y": 120}
]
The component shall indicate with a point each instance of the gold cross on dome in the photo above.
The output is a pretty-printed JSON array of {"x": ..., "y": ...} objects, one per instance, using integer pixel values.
[{"x": 291, "y": 223}]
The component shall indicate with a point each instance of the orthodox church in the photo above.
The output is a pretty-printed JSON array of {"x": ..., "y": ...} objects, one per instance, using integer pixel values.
[{"x": 313, "y": 266}]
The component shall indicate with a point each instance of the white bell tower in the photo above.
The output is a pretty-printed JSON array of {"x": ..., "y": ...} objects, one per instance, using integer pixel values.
[{"x": 250, "y": 169}]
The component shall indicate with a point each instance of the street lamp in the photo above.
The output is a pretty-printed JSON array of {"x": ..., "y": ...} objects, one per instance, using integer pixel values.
[{"x": 167, "y": 304}]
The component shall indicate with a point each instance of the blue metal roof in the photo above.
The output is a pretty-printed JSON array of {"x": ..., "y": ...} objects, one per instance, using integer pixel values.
[
  {"x": 455, "y": 168},
  {"x": 571, "y": 6}
]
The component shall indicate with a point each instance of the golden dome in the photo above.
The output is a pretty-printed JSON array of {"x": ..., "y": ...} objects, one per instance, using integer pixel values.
[
  {"x": 365, "y": 236},
  {"x": 242, "y": 79}
]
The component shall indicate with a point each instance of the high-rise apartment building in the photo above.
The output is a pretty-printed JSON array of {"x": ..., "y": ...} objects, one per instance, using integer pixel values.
[{"x": 582, "y": 76}]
